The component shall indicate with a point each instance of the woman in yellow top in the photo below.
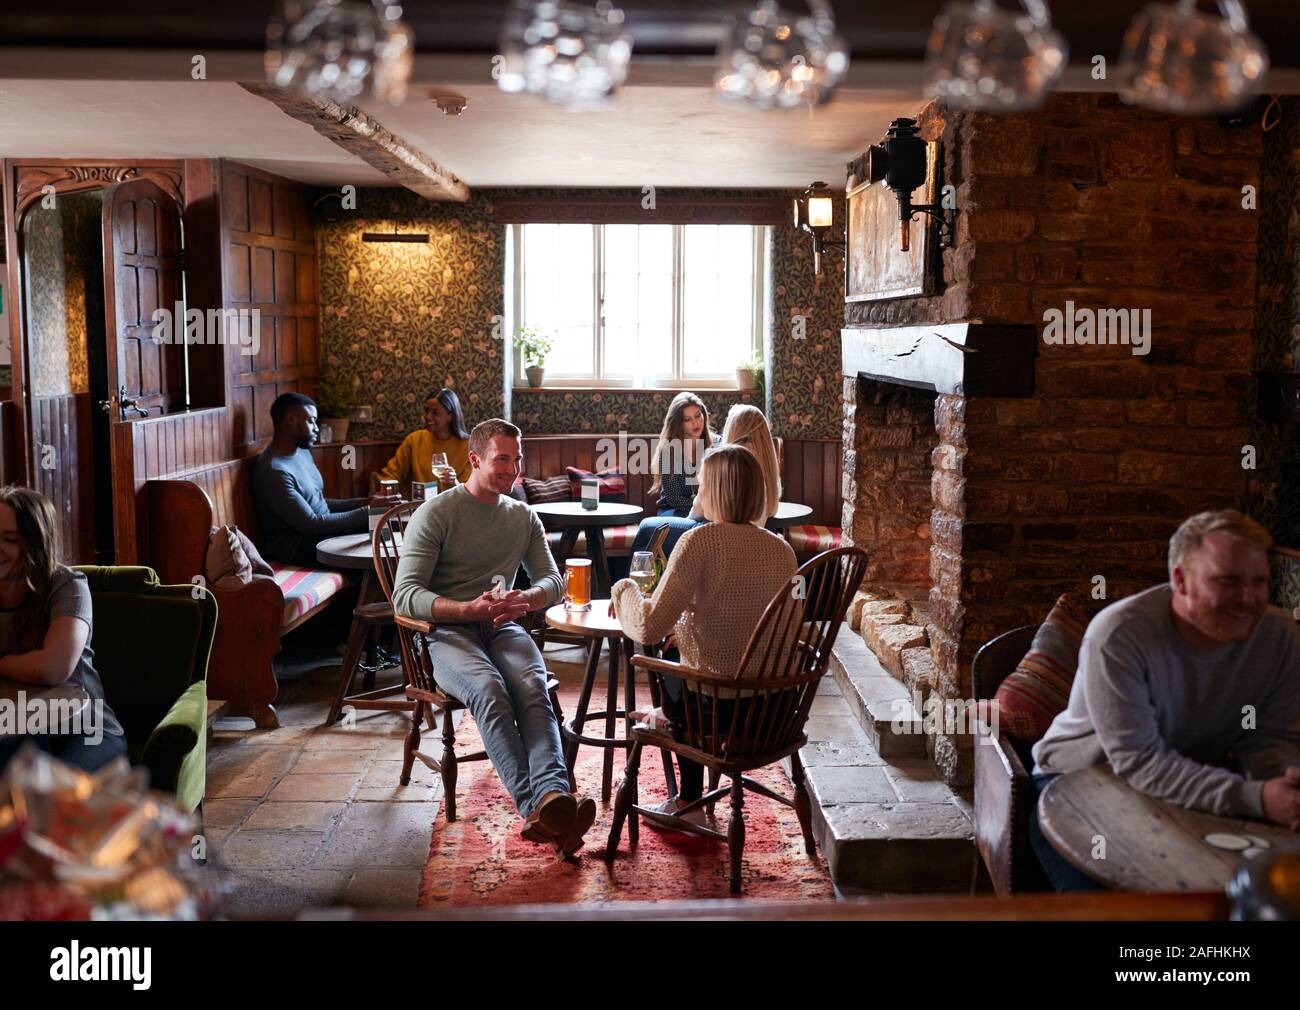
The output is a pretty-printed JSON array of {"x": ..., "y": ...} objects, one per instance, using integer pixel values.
[{"x": 443, "y": 431}]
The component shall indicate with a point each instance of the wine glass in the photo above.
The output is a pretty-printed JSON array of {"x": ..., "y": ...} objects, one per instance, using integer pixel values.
[
  {"x": 439, "y": 459},
  {"x": 642, "y": 572}
]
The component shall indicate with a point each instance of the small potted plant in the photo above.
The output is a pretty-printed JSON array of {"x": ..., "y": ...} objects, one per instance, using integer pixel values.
[
  {"x": 534, "y": 345},
  {"x": 335, "y": 402},
  {"x": 749, "y": 371}
]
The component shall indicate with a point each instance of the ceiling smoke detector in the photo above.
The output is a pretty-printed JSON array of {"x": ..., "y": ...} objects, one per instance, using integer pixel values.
[{"x": 451, "y": 105}]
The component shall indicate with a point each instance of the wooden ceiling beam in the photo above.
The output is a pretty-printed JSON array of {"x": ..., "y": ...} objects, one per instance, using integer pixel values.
[{"x": 363, "y": 136}]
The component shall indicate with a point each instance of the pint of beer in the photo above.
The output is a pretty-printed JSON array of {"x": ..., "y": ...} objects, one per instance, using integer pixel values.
[{"x": 577, "y": 584}]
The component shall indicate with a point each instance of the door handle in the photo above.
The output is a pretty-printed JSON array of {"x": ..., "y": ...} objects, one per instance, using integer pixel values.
[{"x": 130, "y": 403}]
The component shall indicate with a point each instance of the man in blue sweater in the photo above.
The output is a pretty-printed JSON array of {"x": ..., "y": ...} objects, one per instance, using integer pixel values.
[{"x": 288, "y": 489}]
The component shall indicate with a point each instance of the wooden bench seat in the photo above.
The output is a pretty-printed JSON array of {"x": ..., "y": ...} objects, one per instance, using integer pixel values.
[{"x": 251, "y": 619}]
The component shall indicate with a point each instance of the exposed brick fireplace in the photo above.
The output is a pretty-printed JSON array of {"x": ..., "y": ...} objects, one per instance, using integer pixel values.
[{"x": 979, "y": 508}]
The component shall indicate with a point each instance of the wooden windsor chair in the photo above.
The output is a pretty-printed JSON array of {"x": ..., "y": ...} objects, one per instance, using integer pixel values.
[
  {"x": 417, "y": 664},
  {"x": 770, "y": 697}
]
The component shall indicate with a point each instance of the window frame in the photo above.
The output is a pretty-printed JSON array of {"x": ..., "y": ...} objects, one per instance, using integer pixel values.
[{"x": 677, "y": 380}]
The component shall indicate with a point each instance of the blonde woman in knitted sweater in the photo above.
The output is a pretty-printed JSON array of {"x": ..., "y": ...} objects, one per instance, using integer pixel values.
[{"x": 717, "y": 584}]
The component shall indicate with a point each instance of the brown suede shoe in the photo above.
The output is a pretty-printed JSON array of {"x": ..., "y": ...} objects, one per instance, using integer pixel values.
[
  {"x": 555, "y": 813},
  {"x": 582, "y": 822}
]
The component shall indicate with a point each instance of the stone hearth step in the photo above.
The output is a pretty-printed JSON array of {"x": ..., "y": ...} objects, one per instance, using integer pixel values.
[
  {"x": 877, "y": 699},
  {"x": 881, "y": 825}
]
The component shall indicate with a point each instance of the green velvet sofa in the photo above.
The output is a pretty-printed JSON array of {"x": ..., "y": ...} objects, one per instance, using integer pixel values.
[{"x": 152, "y": 644}]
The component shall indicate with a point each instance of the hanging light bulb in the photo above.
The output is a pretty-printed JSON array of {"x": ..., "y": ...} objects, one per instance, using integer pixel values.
[
  {"x": 982, "y": 57},
  {"x": 1176, "y": 60},
  {"x": 336, "y": 49},
  {"x": 568, "y": 53},
  {"x": 774, "y": 58}
]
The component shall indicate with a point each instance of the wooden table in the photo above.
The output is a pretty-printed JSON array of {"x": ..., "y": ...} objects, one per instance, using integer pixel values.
[
  {"x": 67, "y": 699},
  {"x": 570, "y": 518},
  {"x": 1150, "y": 845},
  {"x": 353, "y": 552},
  {"x": 788, "y": 513},
  {"x": 596, "y": 626}
]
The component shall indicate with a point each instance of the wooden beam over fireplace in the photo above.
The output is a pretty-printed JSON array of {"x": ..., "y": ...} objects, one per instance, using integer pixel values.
[
  {"x": 974, "y": 359},
  {"x": 363, "y": 136}
]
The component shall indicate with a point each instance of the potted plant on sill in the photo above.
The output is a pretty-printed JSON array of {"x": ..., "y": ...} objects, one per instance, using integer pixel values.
[
  {"x": 749, "y": 372},
  {"x": 335, "y": 402},
  {"x": 534, "y": 345}
]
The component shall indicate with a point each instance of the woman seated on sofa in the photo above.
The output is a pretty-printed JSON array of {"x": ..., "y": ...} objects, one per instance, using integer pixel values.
[
  {"x": 745, "y": 426},
  {"x": 717, "y": 584},
  {"x": 443, "y": 431},
  {"x": 45, "y": 624},
  {"x": 685, "y": 436}
]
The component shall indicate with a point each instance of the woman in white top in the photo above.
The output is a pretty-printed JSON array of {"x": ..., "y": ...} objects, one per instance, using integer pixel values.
[{"x": 717, "y": 584}]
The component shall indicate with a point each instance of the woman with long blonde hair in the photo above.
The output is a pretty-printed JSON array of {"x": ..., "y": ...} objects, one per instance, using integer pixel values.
[
  {"x": 747, "y": 426},
  {"x": 718, "y": 582}
]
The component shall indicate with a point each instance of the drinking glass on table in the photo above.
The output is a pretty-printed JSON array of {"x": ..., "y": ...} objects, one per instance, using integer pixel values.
[
  {"x": 643, "y": 572},
  {"x": 577, "y": 584}
]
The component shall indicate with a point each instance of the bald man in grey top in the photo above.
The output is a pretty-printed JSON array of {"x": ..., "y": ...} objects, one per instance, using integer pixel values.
[{"x": 1191, "y": 690}]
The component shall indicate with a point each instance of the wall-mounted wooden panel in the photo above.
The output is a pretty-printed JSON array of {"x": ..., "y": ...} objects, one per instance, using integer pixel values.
[{"x": 271, "y": 267}]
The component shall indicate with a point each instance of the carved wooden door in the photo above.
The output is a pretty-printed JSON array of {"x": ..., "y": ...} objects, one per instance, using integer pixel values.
[{"x": 143, "y": 261}]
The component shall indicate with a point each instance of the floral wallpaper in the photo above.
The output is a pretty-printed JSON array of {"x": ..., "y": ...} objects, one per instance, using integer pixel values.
[
  {"x": 400, "y": 319},
  {"x": 1274, "y": 495}
]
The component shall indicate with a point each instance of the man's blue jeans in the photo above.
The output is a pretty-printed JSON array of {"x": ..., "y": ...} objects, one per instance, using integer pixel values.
[
  {"x": 1064, "y": 875},
  {"x": 499, "y": 675}
]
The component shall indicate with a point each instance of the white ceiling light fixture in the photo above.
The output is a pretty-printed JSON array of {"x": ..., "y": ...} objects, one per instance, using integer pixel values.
[
  {"x": 1177, "y": 60},
  {"x": 569, "y": 53},
  {"x": 773, "y": 58},
  {"x": 337, "y": 49},
  {"x": 983, "y": 57}
]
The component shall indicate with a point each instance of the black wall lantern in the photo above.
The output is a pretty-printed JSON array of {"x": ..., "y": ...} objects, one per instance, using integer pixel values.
[
  {"x": 814, "y": 212},
  {"x": 900, "y": 161}
]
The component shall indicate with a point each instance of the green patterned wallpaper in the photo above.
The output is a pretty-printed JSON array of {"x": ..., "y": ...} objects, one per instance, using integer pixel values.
[
  {"x": 1274, "y": 495},
  {"x": 400, "y": 319}
]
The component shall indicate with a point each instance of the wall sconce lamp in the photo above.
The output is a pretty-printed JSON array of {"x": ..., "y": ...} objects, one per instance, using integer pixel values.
[
  {"x": 814, "y": 212},
  {"x": 395, "y": 236},
  {"x": 901, "y": 161}
]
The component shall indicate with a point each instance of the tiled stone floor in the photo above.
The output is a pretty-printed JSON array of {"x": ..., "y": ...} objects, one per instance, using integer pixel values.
[{"x": 304, "y": 815}]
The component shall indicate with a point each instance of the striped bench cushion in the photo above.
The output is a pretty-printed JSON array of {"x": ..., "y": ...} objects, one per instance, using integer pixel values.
[
  {"x": 813, "y": 539},
  {"x": 618, "y": 540},
  {"x": 304, "y": 588}
]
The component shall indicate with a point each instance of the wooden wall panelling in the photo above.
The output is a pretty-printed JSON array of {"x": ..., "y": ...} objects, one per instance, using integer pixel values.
[{"x": 270, "y": 264}]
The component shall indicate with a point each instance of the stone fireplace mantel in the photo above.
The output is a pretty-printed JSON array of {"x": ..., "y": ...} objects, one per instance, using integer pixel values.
[{"x": 970, "y": 359}]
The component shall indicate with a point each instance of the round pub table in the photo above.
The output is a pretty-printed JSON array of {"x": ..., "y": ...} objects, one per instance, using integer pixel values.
[
  {"x": 788, "y": 513},
  {"x": 570, "y": 518},
  {"x": 1127, "y": 840},
  {"x": 353, "y": 552},
  {"x": 596, "y": 626}
]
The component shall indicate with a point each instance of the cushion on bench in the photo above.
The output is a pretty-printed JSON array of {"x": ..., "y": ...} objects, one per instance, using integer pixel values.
[
  {"x": 304, "y": 588},
  {"x": 617, "y": 538},
  {"x": 813, "y": 539}
]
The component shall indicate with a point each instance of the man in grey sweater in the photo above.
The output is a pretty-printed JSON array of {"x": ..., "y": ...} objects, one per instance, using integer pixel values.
[
  {"x": 460, "y": 556},
  {"x": 288, "y": 489},
  {"x": 1180, "y": 680}
]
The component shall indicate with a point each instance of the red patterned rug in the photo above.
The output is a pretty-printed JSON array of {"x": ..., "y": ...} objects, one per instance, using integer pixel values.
[{"x": 481, "y": 860}]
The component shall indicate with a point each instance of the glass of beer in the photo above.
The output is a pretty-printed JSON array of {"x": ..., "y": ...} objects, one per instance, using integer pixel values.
[
  {"x": 643, "y": 572},
  {"x": 577, "y": 584}
]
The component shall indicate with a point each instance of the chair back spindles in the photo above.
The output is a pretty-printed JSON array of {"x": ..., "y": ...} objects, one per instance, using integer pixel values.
[
  {"x": 386, "y": 551},
  {"x": 783, "y": 662}
]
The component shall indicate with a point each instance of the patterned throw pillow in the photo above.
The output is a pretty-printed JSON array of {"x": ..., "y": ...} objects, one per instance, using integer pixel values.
[
  {"x": 552, "y": 489},
  {"x": 1039, "y": 688},
  {"x": 613, "y": 486}
]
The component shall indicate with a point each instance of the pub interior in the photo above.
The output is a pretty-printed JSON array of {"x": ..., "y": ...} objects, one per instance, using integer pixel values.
[{"x": 435, "y": 435}]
